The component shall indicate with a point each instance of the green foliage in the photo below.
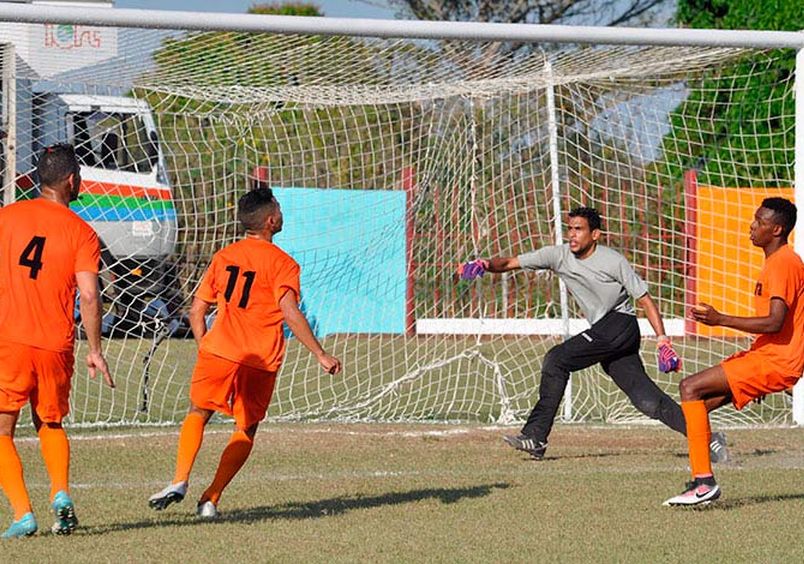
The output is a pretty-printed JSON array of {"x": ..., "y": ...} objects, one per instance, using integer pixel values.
[
  {"x": 287, "y": 9},
  {"x": 778, "y": 15},
  {"x": 737, "y": 126}
]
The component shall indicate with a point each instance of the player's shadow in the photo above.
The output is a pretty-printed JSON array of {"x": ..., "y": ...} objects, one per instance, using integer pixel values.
[
  {"x": 733, "y": 503},
  {"x": 304, "y": 510}
]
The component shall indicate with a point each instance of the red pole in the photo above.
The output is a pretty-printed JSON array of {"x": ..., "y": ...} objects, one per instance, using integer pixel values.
[
  {"x": 690, "y": 236},
  {"x": 409, "y": 185}
]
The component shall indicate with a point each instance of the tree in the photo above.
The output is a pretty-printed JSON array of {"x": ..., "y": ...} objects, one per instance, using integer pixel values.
[
  {"x": 287, "y": 9},
  {"x": 586, "y": 12},
  {"x": 744, "y": 111}
]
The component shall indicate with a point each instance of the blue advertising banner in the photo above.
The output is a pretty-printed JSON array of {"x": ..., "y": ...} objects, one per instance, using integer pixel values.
[{"x": 351, "y": 248}]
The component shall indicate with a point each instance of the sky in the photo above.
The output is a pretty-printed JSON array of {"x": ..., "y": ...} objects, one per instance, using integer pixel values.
[{"x": 332, "y": 8}]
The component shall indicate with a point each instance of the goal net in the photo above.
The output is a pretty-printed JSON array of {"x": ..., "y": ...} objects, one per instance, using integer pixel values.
[{"x": 395, "y": 160}]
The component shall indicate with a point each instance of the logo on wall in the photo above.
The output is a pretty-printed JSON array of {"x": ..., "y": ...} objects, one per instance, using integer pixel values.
[{"x": 67, "y": 36}]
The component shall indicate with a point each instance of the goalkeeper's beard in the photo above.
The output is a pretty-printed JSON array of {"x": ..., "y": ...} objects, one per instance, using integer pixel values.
[{"x": 584, "y": 251}]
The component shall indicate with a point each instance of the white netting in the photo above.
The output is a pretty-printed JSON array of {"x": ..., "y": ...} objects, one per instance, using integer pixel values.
[{"x": 395, "y": 160}]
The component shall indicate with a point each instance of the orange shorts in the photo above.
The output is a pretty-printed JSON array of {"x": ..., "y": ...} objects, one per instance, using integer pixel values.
[
  {"x": 41, "y": 376},
  {"x": 751, "y": 375},
  {"x": 235, "y": 389}
]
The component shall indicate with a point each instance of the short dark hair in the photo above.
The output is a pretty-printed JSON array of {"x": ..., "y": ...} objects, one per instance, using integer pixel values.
[
  {"x": 254, "y": 206},
  {"x": 784, "y": 213},
  {"x": 590, "y": 214},
  {"x": 56, "y": 163}
]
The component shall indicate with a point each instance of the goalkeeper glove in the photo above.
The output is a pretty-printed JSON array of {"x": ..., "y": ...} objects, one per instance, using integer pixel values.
[
  {"x": 473, "y": 269},
  {"x": 669, "y": 361}
]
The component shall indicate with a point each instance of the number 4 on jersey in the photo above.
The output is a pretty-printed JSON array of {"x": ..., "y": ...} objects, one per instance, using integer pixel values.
[{"x": 31, "y": 256}]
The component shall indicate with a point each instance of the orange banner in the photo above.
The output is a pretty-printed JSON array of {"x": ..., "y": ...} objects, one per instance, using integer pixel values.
[{"x": 727, "y": 264}]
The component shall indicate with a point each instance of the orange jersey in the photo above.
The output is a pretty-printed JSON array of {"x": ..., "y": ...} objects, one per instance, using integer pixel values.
[
  {"x": 42, "y": 245},
  {"x": 247, "y": 279},
  {"x": 782, "y": 277}
]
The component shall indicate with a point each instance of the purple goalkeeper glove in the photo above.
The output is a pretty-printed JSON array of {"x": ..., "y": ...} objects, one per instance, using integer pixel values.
[
  {"x": 669, "y": 361},
  {"x": 473, "y": 269}
]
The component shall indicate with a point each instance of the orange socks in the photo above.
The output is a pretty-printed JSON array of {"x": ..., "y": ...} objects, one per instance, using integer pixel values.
[
  {"x": 56, "y": 454},
  {"x": 11, "y": 479},
  {"x": 232, "y": 459},
  {"x": 190, "y": 437},
  {"x": 698, "y": 436}
]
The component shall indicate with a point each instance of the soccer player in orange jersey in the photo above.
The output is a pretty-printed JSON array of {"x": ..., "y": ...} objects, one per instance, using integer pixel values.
[
  {"x": 255, "y": 286},
  {"x": 46, "y": 251},
  {"x": 773, "y": 363}
]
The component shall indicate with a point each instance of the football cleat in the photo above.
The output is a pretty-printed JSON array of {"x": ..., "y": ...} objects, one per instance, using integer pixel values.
[
  {"x": 701, "y": 491},
  {"x": 25, "y": 526},
  {"x": 527, "y": 444},
  {"x": 63, "y": 508},
  {"x": 717, "y": 448},
  {"x": 174, "y": 493},
  {"x": 206, "y": 510}
]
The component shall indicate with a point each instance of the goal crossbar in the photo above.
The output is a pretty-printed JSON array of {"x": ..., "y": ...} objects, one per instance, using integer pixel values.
[{"x": 361, "y": 27}]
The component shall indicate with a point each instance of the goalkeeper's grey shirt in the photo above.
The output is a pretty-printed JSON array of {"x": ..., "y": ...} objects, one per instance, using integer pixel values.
[{"x": 600, "y": 283}]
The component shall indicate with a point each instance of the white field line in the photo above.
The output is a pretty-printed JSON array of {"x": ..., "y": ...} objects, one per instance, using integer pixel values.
[
  {"x": 285, "y": 428},
  {"x": 267, "y": 430}
]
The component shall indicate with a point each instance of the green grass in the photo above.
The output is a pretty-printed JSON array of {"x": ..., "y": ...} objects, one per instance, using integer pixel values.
[{"x": 435, "y": 493}]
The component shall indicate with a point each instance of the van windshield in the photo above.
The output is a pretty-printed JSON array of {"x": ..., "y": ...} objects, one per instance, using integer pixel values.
[{"x": 113, "y": 141}]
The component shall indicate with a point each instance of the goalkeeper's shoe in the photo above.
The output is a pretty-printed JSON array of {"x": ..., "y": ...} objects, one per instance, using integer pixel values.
[
  {"x": 174, "y": 493},
  {"x": 701, "y": 491},
  {"x": 63, "y": 508},
  {"x": 25, "y": 526},
  {"x": 528, "y": 444},
  {"x": 206, "y": 510},
  {"x": 717, "y": 448}
]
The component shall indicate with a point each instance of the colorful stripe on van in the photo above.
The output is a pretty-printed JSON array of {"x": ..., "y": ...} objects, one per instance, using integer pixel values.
[{"x": 92, "y": 207}]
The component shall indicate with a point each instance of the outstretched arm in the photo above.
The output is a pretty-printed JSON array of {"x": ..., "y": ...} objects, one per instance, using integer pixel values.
[
  {"x": 301, "y": 328},
  {"x": 478, "y": 267},
  {"x": 771, "y": 323},
  {"x": 503, "y": 264}
]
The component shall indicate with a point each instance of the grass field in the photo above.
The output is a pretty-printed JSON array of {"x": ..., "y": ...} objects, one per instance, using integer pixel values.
[{"x": 434, "y": 493}]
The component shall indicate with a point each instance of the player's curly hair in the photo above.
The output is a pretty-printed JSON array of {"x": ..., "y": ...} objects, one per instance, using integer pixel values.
[
  {"x": 784, "y": 213},
  {"x": 590, "y": 214},
  {"x": 56, "y": 163},
  {"x": 254, "y": 206}
]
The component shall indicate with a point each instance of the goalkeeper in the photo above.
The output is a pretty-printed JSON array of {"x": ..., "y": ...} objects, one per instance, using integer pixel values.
[{"x": 603, "y": 283}]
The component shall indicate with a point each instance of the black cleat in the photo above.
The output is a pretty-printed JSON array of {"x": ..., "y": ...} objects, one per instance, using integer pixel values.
[
  {"x": 527, "y": 444},
  {"x": 174, "y": 493},
  {"x": 717, "y": 448}
]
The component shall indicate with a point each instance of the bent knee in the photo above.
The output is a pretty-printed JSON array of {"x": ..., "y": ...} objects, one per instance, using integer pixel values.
[
  {"x": 648, "y": 407},
  {"x": 689, "y": 390},
  {"x": 552, "y": 362}
]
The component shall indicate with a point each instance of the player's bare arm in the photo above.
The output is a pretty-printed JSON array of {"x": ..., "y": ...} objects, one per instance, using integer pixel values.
[
  {"x": 198, "y": 318},
  {"x": 654, "y": 316},
  {"x": 478, "y": 267},
  {"x": 301, "y": 328},
  {"x": 503, "y": 264},
  {"x": 91, "y": 312},
  {"x": 668, "y": 359},
  {"x": 771, "y": 323}
]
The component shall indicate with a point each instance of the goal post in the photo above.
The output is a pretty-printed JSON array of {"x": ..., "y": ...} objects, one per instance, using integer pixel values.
[
  {"x": 798, "y": 183},
  {"x": 398, "y": 150}
]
